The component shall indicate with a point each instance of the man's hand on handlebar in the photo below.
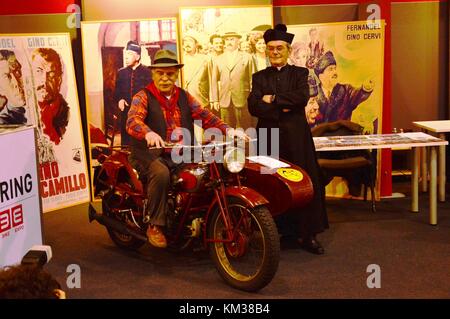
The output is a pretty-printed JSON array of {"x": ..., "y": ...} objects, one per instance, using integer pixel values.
[
  {"x": 238, "y": 133},
  {"x": 154, "y": 140}
]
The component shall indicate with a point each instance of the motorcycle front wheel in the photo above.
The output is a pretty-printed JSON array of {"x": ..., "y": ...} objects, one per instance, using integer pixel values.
[
  {"x": 109, "y": 203},
  {"x": 250, "y": 260}
]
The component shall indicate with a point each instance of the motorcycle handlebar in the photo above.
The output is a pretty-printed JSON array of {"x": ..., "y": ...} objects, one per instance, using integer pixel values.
[{"x": 170, "y": 145}]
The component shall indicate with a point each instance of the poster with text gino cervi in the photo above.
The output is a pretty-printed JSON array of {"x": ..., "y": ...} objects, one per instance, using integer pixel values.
[
  {"x": 345, "y": 62},
  {"x": 37, "y": 86}
]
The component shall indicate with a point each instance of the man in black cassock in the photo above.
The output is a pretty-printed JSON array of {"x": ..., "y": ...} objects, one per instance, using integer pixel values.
[
  {"x": 278, "y": 99},
  {"x": 130, "y": 80}
]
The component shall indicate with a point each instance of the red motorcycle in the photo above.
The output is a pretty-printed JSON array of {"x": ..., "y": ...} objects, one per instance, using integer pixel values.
[{"x": 226, "y": 207}]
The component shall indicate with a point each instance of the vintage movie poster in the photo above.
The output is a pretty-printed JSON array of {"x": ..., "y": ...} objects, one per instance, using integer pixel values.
[
  {"x": 345, "y": 62},
  {"x": 37, "y": 87},
  {"x": 221, "y": 48},
  {"x": 116, "y": 57}
]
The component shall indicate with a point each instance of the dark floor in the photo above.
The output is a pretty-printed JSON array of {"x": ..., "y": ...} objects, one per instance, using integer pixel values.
[{"x": 414, "y": 258}]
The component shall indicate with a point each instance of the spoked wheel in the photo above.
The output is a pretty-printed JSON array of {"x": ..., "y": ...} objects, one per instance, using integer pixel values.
[
  {"x": 250, "y": 260},
  {"x": 110, "y": 202}
]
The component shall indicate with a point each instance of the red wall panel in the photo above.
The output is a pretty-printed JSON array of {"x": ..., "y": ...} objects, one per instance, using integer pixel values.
[
  {"x": 319, "y": 2},
  {"x": 35, "y": 7}
]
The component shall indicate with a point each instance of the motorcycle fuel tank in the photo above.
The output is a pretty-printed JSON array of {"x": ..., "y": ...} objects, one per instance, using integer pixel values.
[{"x": 190, "y": 178}]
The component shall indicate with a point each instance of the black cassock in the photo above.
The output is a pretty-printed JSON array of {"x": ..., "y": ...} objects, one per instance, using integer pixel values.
[
  {"x": 290, "y": 87},
  {"x": 128, "y": 83}
]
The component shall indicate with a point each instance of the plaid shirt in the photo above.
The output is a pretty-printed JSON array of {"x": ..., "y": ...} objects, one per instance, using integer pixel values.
[{"x": 137, "y": 128}]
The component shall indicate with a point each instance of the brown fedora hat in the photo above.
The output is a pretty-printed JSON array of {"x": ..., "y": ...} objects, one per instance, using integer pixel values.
[{"x": 165, "y": 59}]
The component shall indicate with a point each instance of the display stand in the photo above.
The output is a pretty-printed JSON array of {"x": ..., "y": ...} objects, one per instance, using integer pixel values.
[
  {"x": 414, "y": 140},
  {"x": 20, "y": 201}
]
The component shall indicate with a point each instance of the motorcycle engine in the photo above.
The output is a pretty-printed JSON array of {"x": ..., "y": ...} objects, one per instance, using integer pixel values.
[
  {"x": 196, "y": 227},
  {"x": 175, "y": 203}
]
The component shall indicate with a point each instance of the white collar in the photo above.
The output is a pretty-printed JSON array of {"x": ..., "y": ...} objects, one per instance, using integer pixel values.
[{"x": 136, "y": 66}]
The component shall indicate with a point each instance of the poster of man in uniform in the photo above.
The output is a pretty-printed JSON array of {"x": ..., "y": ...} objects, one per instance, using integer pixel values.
[
  {"x": 116, "y": 57},
  {"x": 220, "y": 56},
  {"x": 345, "y": 62},
  {"x": 37, "y": 87}
]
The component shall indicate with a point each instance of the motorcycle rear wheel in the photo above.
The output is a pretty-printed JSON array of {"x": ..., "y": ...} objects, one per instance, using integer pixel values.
[
  {"x": 124, "y": 241},
  {"x": 251, "y": 260}
]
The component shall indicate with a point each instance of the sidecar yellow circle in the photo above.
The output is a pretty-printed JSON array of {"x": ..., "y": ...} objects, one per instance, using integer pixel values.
[{"x": 293, "y": 175}]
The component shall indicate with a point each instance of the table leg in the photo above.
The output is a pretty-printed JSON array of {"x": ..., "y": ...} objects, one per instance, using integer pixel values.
[
  {"x": 415, "y": 181},
  {"x": 441, "y": 173},
  {"x": 433, "y": 186},
  {"x": 424, "y": 165}
]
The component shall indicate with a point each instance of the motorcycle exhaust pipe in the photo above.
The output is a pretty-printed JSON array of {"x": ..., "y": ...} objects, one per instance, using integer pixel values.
[{"x": 114, "y": 224}]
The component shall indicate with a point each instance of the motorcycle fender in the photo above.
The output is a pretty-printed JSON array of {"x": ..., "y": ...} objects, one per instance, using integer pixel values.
[{"x": 251, "y": 197}]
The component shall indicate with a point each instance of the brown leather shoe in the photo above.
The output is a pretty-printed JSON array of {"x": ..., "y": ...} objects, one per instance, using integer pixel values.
[{"x": 156, "y": 237}]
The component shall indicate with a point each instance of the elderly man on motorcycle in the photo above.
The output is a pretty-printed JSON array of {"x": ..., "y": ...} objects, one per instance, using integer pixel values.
[{"x": 156, "y": 115}]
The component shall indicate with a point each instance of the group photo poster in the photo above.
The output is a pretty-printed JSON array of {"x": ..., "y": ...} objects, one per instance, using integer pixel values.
[
  {"x": 346, "y": 63},
  {"x": 221, "y": 48},
  {"x": 117, "y": 56},
  {"x": 38, "y": 87}
]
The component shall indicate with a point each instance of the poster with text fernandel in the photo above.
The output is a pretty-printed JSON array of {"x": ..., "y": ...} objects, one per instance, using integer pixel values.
[
  {"x": 345, "y": 62},
  {"x": 38, "y": 87}
]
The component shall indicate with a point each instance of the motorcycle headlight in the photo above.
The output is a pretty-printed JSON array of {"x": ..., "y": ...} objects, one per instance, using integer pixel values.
[{"x": 234, "y": 160}]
